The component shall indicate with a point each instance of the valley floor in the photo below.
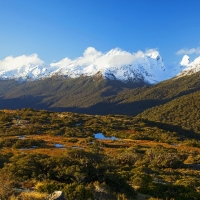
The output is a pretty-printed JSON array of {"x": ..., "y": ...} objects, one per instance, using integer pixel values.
[{"x": 46, "y": 151}]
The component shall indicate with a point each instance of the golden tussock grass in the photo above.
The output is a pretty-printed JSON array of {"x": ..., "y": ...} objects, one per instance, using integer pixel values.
[{"x": 29, "y": 196}]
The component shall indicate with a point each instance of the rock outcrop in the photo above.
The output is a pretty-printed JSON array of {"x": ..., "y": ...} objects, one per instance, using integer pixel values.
[{"x": 57, "y": 195}]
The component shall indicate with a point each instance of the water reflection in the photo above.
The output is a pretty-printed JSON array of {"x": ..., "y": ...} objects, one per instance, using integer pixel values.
[{"x": 102, "y": 137}]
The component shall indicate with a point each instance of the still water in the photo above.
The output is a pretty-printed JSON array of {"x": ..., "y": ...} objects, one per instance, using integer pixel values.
[{"x": 102, "y": 137}]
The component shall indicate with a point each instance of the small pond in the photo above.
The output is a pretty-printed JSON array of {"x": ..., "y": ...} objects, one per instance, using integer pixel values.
[
  {"x": 59, "y": 145},
  {"x": 78, "y": 124},
  {"x": 21, "y": 136},
  {"x": 102, "y": 137},
  {"x": 33, "y": 147}
]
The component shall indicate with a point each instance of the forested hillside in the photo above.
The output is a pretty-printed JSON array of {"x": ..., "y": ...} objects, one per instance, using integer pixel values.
[
  {"x": 93, "y": 95},
  {"x": 183, "y": 111}
]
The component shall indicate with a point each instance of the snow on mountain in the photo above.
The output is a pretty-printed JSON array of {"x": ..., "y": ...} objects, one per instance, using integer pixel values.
[
  {"x": 185, "y": 60},
  {"x": 116, "y": 65},
  {"x": 187, "y": 67},
  {"x": 23, "y": 68}
]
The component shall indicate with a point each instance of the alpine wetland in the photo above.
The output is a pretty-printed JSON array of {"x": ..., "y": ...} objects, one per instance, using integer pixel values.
[{"x": 99, "y": 100}]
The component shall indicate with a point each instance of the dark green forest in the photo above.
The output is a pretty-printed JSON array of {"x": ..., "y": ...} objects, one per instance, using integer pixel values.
[
  {"x": 90, "y": 94},
  {"x": 183, "y": 111}
]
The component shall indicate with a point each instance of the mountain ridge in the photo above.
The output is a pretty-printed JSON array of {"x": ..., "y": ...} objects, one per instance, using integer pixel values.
[
  {"x": 94, "y": 95},
  {"x": 188, "y": 66},
  {"x": 115, "y": 64}
]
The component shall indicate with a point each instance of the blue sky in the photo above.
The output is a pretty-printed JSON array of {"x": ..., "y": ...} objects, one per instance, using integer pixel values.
[{"x": 55, "y": 29}]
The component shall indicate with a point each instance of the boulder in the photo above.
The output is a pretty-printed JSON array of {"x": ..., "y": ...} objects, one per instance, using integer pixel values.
[{"x": 57, "y": 195}]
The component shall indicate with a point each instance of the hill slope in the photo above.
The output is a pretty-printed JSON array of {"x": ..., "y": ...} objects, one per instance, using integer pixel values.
[
  {"x": 78, "y": 94},
  {"x": 183, "y": 111},
  {"x": 94, "y": 95}
]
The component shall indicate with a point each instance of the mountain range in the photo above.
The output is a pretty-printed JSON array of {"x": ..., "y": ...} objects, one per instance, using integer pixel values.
[
  {"x": 133, "y": 89},
  {"x": 147, "y": 67}
]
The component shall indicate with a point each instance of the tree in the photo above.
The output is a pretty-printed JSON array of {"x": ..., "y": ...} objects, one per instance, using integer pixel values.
[{"x": 79, "y": 192}]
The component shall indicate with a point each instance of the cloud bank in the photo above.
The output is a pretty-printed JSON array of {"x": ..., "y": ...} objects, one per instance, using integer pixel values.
[
  {"x": 188, "y": 51},
  {"x": 115, "y": 57},
  {"x": 116, "y": 63},
  {"x": 91, "y": 61},
  {"x": 10, "y": 62}
]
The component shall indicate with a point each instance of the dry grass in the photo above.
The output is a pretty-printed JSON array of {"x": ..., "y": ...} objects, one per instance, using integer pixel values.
[
  {"x": 111, "y": 148},
  {"x": 31, "y": 196}
]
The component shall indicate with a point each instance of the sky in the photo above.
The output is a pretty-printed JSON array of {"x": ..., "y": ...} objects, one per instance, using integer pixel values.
[{"x": 56, "y": 29}]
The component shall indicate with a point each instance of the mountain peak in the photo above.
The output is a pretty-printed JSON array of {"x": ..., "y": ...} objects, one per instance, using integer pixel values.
[
  {"x": 115, "y": 64},
  {"x": 189, "y": 67},
  {"x": 153, "y": 54},
  {"x": 23, "y": 67},
  {"x": 185, "y": 60}
]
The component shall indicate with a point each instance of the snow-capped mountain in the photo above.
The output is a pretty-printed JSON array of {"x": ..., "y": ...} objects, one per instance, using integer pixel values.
[
  {"x": 116, "y": 64},
  {"x": 187, "y": 67},
  {"x": 28, "y": 72},
  {"x": 23, "y": 68}
]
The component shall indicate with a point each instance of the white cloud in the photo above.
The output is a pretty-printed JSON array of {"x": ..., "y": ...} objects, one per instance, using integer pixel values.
[
  {"x": 89, "y": 56},
  {"x": 91, "y": 60},
  {"x": 63, "y": 62},
  {"x": 114, "y": 57},
  {"x": 11, "y": 62},
  {"x": 188, "y": 51}
]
